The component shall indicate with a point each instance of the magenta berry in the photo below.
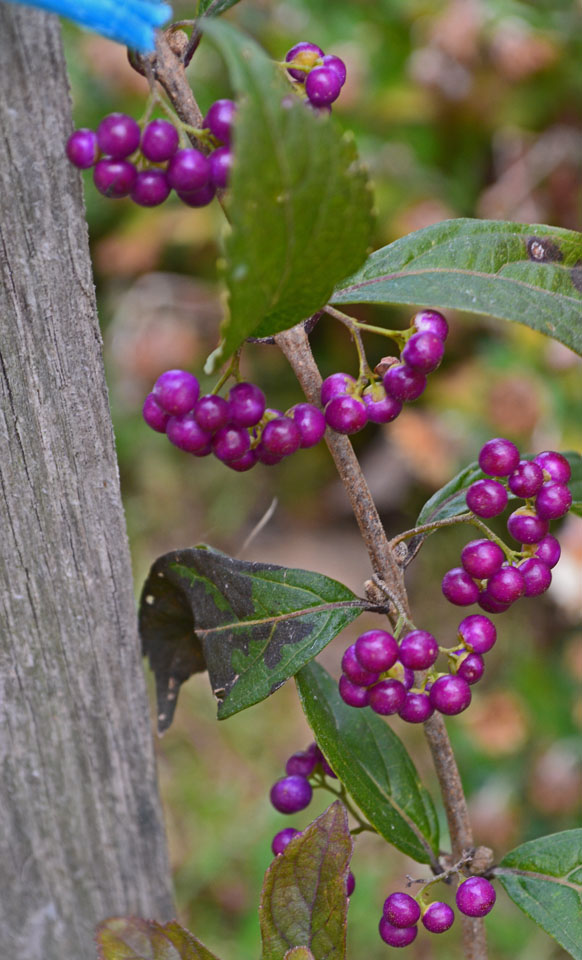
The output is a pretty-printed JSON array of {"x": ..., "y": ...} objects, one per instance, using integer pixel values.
[
  {"x": 478, "y": 633},
  {"x": 150, "y": 188},
  {"x": 424, "y": 351},
  {"x": 376, "y": 651},
  {"x": 498, "y": 457},
  {"x": 486, "y": 498},
  {"x": 482, "y": 558},
  {"x": 548, "y": 550},
  {"x": 220, "y": 166},
  {"x": 335, "y": 63},
  {"x": 310, "y": 422},
  {"x": 526, "y": 479},
  {"x": 537, "y": 576},
  {"x": 476, "y": 897},
  {"x": 401, "y": 910},
  {"x": 281, "y": 437},
  {"x": 212, "y": 412},
  {"x": 553, "y": 500},
  {"x": 322, "y": 86},
  {"x": 327, "y": 769},
  {"x": 488, "y": 603},
  {"x": 230, "y": 442},
  {"x": 154, "y": 415},
  {"x": 336, "y": 385},
  {"x": 416, "y": 708},
  {"x": 219, "y": 119},
  {"x": 243, "y": 463},
  {"x": 458, "y": 587},
  {"x": 118, "y": 135},
  {"x": 418, "y": 650},
  {"x": 301, "y": 764},
  {"x": 247, "y": 404},
  {"x": 198, "y": 198},
  {"x": 450, "y": 695},
  {"x": 114, "y": 178},
  {"x": 396, "y": 936},
  {"x": 265, "y": 456},
  {"x": 184, "y": 432},
  {"x": 431, "y": 321},
  {"x": 507, "y": 585},
  {"x": 346, "y": 414},
  {"x": 291, "y": 794},
  {"x": 380, "y": 407},
  {"x": 526, "y": 527},
  {"x": 403, "y": 382},
  {"x": 555, "y": 465},
  {"x": 282, "y": 839},
  {"x": 82, "y": 148},
  {"x": 350, "y": 884},
  {"x": 387, "y": 697},
  {"x": 352, "y": 694},
  {"x": 438, "y": 917},
  {"x": 354, "y": 670},
  {"x": 471, "y": 668},
  {"x": 159, "y": 141},
  {"x": 188, "y": 170},
  {"x": 304, "y": 54},
  {"x": 176, "y": 391}
]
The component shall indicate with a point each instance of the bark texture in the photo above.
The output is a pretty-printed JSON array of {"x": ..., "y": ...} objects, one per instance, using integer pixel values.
[{"x": 81, "y": 831}]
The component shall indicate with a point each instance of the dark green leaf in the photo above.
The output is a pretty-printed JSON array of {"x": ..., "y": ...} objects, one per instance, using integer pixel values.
[
  {"x": 515, "y": 271},
  {"x": 544, "y": 878},
  {"x": 214, "y": 8},
  {"x": 299, "y": 203},
  {"x": 304, "y": 902},
  {"x": 373, "y": 765},
  {"x": 131, "y": 938},
  {"x": 251, "y": 625}
]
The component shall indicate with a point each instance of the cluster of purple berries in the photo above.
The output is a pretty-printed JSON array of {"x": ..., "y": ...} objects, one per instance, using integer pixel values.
[
  {"x": 349, "y": 404},
  {"x": 239, "y": 429},
  {"x": 398, "y": 925},
  {"x": 322, "y": 74},
  {"x": 486, "y": 576},
  {"x": 293, "y": 793},
  {"x": 146, "y": 165}
]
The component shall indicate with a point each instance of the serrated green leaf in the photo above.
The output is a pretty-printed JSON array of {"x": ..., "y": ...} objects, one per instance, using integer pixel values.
[
  {"x": 529, "y": 273},
  {"x": 132, "y": 938},
  {"x": 543, "y": 877},
  {"x": 303, "y": 901},
  {"x": 214, "y": 8},
  {"x": 373, "y": 764},
  {"x": 251, "y": 625},
  {"x": 298, "y": 203}
]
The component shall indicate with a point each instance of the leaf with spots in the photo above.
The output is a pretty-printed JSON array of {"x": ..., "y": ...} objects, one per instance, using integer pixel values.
[
  {"x": 251, "y": 625},
  {"x": 529, "y": 273},
  {"x": 544, "y": 878},
  {"x": 131, "y": 938},
  {"x": 304, "y": 902}
]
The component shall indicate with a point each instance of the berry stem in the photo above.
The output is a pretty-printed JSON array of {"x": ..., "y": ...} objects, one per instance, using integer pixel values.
[
  {"x": 341, "y": 794},
  {"x": 428, "y": 528}
]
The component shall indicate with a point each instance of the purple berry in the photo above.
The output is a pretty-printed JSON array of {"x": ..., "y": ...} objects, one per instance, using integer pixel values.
[
  {"x": 471, "y": 668},
  {"x": 380, "y": 407},
  {"x": 354, "y": 670},
  {"x": 424, "y": 351},
  {"x": 247, "y": 404},
  {"x": 526, "y": 526},
  {"x": 281, "y": 437},
  {"x": 346, "y": 414},
  {"x": 219, "y": 119},
  {"x": 431, "y": 321},
  {"x": 304, "y": 54},
  {"x": 114, "y": 178},
  {"x": 482, "y": 558},
  {"x": 555, "y": 465},
  {"x": 537, "y": 576},
  {"x": 553, "y": 500},
  {"x": 82, "y": 148},
  {"x": 507, "y": 585},
  {"x": 198, "y": 198},
  {"x": 387, "y": 697},
  {"x": 212, "y": 412},
  {"x": 396, "y": 936},
  {"x": 282, "y": 839},
  {"x": 327, "y": 769},
  {"x": 438, "y": 917},
  {"x": 188, "y": 170},
  {"x": 350, "y": 884},
  {"x": 310, "y": 422},
  {"x": 458, "y": 587},
  {"x": 150, "y": 188},
  {"x": 230, "y": 442},
  {"x": 450, "y": 695},
  {"x": 313, "y": 750},
  {"x": 159, "y": 141},
  {"x": 301, "y": 764},
  {"x": 335, "y": 63},
  {"x": 376, "y": 650},
  {"x": 488, "y": 603},
  {"x": 417, "y": 708},
  {"x": 291, "y": 794},
  {"x": 418, "y": 650},
  {"x": 548, "y": 551},
  {"x": 184, "y": 432},
  {"x": 244, "y": 463},
  {"x": 401, "y": 910},
  {"x": 476, "y": 897},
  {"x": 220, "y": 166},
  {"x": 478, "y": 633},
  {"x": 336, "y": 385},
  {"x": 118, "y": 135},
  {"x": 486, "y": 498},
  {"x": 176, "y": 391},
  {"x": 154, "y": 415},
  {"x": 498, "y": 457},
  {"x": 266, "y": 457},
  {"x": 352, "y": 694},
  {"x": 403, "y": 382},
  {"x": 526, "y": 479},
  {"x": 322, "y": 86}
]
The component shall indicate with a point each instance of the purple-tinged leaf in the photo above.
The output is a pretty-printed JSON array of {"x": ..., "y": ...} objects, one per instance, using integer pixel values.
[{"x": 132, "y": 938}]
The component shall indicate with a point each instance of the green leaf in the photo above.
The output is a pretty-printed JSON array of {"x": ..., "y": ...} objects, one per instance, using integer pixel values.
[
  {"x": 298, "y": 953},
  {"x": 303, "y": 901},
  {"x": 515, "y": 271},
  {"x": 251, "y": 625},
  {"x": 214, "y": 8},
  {"x": 131, "y": 938},
  {"x": 299, "y": 203},
  {"x": 373, "y": 764},
  {"x": 544, "y": 878}
]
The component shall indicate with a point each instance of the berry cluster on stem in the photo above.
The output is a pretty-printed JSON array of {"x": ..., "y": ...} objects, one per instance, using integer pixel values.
[{"x": 320, "y": 75}]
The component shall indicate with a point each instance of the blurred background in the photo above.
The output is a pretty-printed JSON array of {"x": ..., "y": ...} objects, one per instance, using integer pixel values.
[{"x": 461, "y": 108}]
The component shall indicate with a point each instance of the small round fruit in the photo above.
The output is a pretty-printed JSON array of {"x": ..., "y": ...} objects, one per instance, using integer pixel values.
[
  {"x": 416, "y": 708},
  {"x": 82, "y": 148},
  {"x": 352, "y": 694},
  {"x": 486, "y": 498},
  {"x": 438, "y": 917},
  {"x": 346, "y": 414},
  {"x": 154, "y": 415},
  {"x": 488, "y": 603},
  {"x": 336, "y": 385},
  {"x": 424, "y": 351},
  {"x": 553, "y": 500},
  {"x": 476, "y": 897},
  {"x": 471, "y": 668},
  {"x": 186, "y": 434},
  {"x": 548, "y": 550},
  {"x": 403, "y": 382},
  {"x": 450, "y": 695},
  {"x": 151, "y": 188},
  {"x": 431, "y": 321},
  {"x": 507, "y": 585},
  {"x": 230, "y": 442},
  {"x": 176, "y": 391},
  {"x": 350, "y": 884},
  {"x": 401, "y": 910},
  {"x": 418, "y": 650},
  {"x": 396, "y": 936},
  {"x": 322, "y": 86},
  {"x": 282, "y": 839},
  {"x": 159, "y": 141},
  {"x": 219, "y": 119},
  {"x": 555, "y": 465},
  {"x": 526, "y": 479},
  {"x": 526, "y": 527},
  {"x": 380, "y": 407},
  {"x": 387, "y": 697},
  {"x": 482, "y": 558},
  {"x": 247, "y": 404},
  {"x": 304, "y": 54},
  {"x": 281, "y": 437},
  {"x": 198, "y": 198},
  {"x": 459, "y": 588},
  {"x": 118, "y": 135},
  {"x": 114, "y": 178},
  {"x": 301, "y": 764},
  {"x": 478, "y": 633},
  {"x": 537, "y": 576},
  {"x": 310, "y": 422},
  {"x": 498, "y": 457},
  {"x": 332, "y": 62},
  {"x": 354, "y": 670},
  {"x": 291, "y": 794},
  {"x": 376, "y": 651},
  {"x": 243, "y": 463},
  {"x": 220, "y": 167},
  {"x": 212, "y": 412},
  {"x": 188, "y": 170}
]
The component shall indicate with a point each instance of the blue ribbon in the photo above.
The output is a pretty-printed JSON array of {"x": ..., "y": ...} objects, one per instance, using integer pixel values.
[{"x": 131, "y": 22}]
